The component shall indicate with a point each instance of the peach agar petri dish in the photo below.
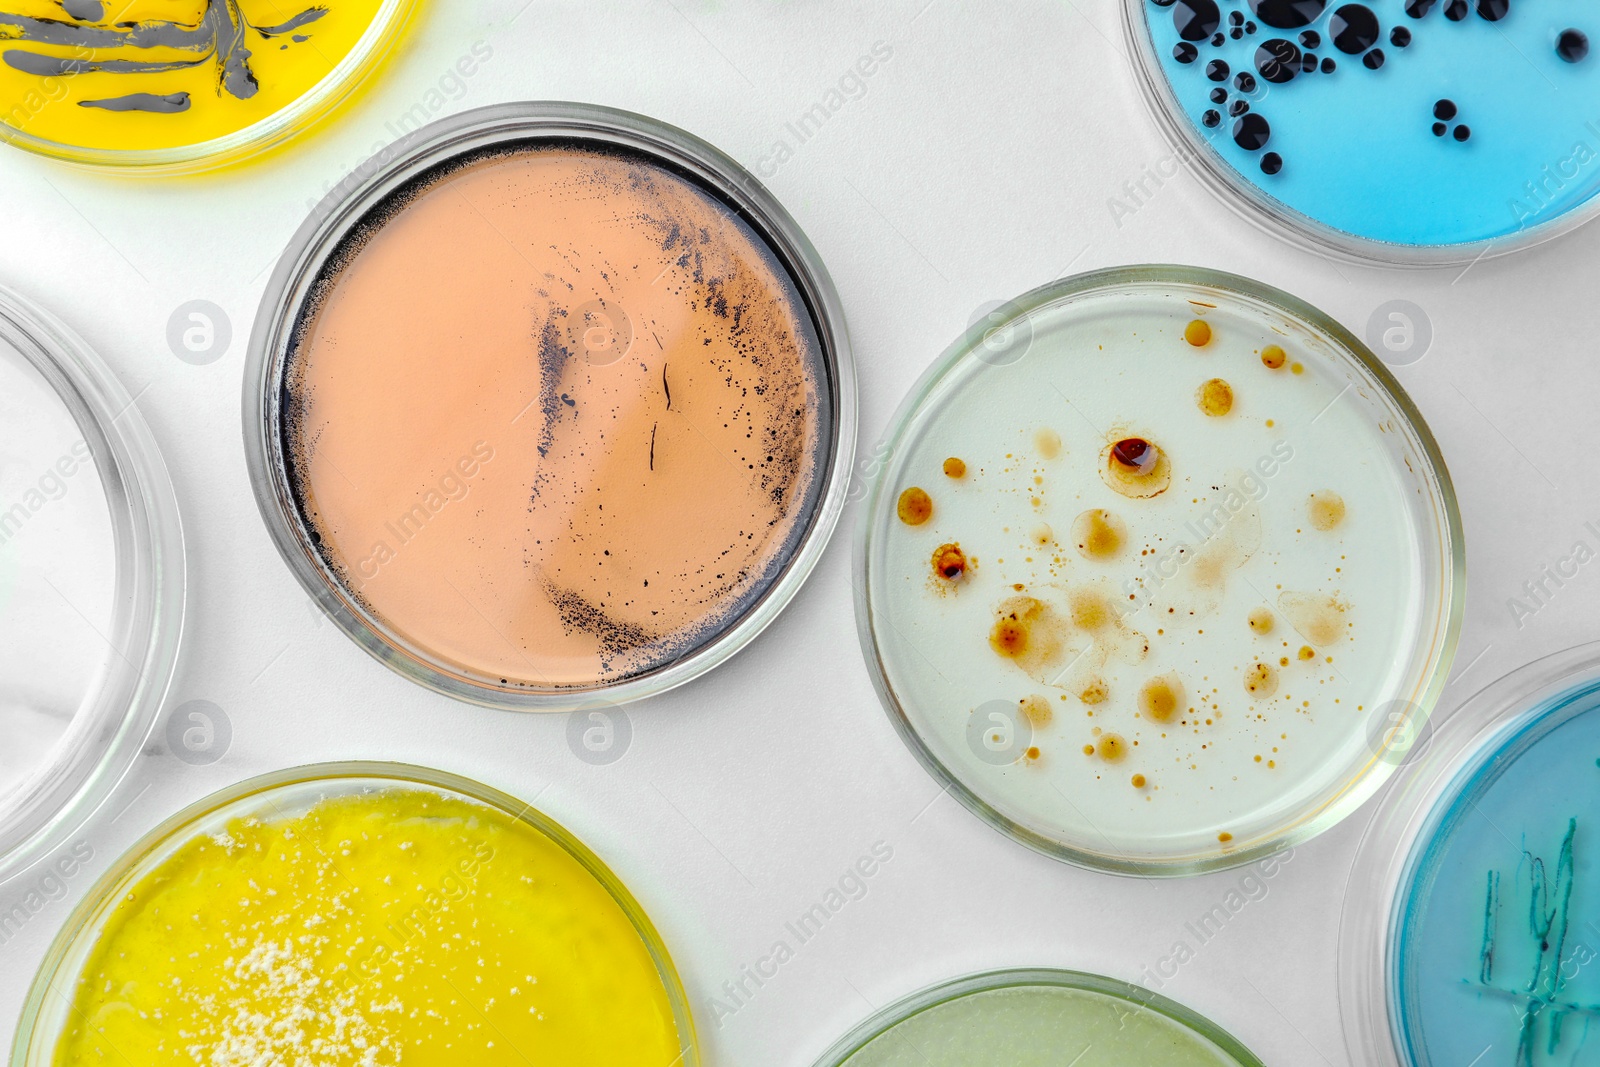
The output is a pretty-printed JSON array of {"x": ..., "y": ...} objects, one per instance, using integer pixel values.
[
  {"x": 358, "y": 913},
  {"x": 1469, "y": 921},
  {"x": 1153, "y": 558},
  {"x": 1404, "y": 131},
  {"x": 556, "y": 405},
  {"x": 181, "y": 84},
  {"x": 1037, "y": 1018},
  {"x": 91, "y": 582}
]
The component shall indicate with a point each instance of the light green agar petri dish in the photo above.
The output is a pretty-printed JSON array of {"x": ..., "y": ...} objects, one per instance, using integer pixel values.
[{"x": 1035, "y": 1018}]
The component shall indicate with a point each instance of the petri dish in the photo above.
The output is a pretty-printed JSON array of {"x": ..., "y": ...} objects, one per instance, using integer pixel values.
[
  {"x": 91, "y": 582},
  {"x": 1469, "y": 925},
  {"x": 182, "y": 84},
  {"x": 358, "y": 911},
  {"x": 1153, "y": 555},
  {"x": 1402, "y": 131},
  {"x": 551, "y": 407},
  {"x": 1034, "y": 1018}
]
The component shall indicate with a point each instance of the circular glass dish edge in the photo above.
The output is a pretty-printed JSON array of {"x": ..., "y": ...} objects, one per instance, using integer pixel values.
[
  {"x": 1453, "y": 560},
  {"x": 1278, "y": 220},
  {"x": 481, "y": 127},
  {"x": 130, "y": 865},
  {"x": 151, "y": 578}
]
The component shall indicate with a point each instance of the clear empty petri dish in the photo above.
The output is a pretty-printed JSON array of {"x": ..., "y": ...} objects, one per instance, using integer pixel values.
[
  {"x": 550, "y": 406},
  {"x": 1405, "y": 131},
  {"x": 358, "y": 912},
  {"x": 182, "y": 84},
  {"x": 1153, "y": 556},
  {"x": 91, "y": 582},
  {"x": 1469, "y": 929},
  {"x": 1037, "y": 1018}
]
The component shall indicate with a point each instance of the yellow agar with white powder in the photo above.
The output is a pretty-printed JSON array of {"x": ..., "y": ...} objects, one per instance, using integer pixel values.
[{"x": 375, "y": 929}]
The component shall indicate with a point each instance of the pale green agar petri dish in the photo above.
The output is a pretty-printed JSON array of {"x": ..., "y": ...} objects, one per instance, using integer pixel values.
[{"x": 1034, "y": 1018}]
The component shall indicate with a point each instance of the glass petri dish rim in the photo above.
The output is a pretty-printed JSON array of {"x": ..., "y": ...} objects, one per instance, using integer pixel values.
[
  {"x": 880, "y": 1022},
  {"x": 1451, "y": 578},
  {"x": 346, "y": 80},
  {"x": 1444, "y": 761},
  {"x": 147, "y": 624},
  {"x": 525, "y": 122},
  {"x": 1272, "y": 216},
  {"x": 33, "y": 1046}
]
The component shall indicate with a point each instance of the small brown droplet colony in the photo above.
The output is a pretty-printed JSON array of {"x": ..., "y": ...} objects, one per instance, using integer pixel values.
[
  {"x": 916, "y": 506},
  {"x": 1325, "y": 508},
  {"x": 1099, "y": 534},
  {"x": 949, "y": 562},
  {"x": 1136, "y": 467},
  {"x": 1261, "y": 681},
  {"x": 1159, "y": 698},
  {"x": 1215, "y": 397}
]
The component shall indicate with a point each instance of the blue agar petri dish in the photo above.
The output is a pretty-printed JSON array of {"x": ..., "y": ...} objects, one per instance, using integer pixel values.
[
  {"x": 1472, "y": 929},
  {"x": 1406, "y": 131}
]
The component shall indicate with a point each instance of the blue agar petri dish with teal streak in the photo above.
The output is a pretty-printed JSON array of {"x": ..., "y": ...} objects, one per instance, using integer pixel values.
[
  {"x": 1498, "y": 946},
  {"x": 1399, "y": 130}
]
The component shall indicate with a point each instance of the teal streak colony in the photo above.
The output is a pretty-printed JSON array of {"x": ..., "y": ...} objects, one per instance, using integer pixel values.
[{"x": 1498, "y": 961}]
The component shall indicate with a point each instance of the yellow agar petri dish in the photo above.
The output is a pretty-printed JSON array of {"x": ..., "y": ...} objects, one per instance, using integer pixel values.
[
  {"x": 360, "y": 914},
  {"x": 181, "y": 84}
]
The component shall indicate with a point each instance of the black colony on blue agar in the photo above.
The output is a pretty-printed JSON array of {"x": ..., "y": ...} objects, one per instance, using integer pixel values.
[
  {"x": 1277, "y": 60},
  {"x": 1287, "y": 14},
  {"x": 1354, "y": 29},
  {"x": 1572, "y": 46},
  {"x": 1251, "y": 132},
  {"x": 1196, "y": 19}
]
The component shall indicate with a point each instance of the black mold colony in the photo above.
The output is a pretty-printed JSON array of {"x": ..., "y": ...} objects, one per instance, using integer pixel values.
[{"x": 1353, "y": 29}]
